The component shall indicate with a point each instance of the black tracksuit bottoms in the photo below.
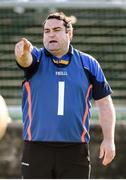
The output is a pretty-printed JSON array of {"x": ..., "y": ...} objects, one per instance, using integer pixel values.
[{"x": 55, "y": 161}]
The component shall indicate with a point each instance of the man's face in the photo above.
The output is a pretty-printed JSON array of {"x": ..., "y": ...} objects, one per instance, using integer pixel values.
[{"x": 55, "y": 38}]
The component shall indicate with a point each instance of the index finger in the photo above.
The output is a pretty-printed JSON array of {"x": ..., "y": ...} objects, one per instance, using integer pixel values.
[{"x": 26, "y": 44}]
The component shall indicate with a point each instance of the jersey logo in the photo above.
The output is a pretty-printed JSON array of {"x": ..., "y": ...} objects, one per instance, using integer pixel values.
[
  {"x": 61, "y": 73},
  {"x": 65, "y": 62}
]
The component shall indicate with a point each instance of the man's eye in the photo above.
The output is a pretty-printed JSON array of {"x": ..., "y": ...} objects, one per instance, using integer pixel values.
[
  {"x": 46, "y": 31},
  {"x": 57, "y": 29}
]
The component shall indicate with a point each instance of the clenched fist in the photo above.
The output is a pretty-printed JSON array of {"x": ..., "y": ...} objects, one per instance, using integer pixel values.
[{"x": 23, "y": 52}]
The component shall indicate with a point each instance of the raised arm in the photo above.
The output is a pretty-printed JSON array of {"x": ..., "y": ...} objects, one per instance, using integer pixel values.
[
  {"x": 107, "y": 121},
  {"x": 23, "y": 53}
]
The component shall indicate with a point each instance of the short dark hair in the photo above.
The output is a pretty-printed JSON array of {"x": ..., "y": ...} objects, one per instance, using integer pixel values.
[{"x": 60, "y": 16}]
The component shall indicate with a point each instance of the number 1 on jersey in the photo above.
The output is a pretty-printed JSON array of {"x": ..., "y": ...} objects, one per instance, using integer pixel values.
[{"x": 61, "y": 88}]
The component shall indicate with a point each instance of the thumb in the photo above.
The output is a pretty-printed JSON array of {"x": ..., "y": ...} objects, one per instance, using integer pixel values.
[{"x": 101, "y": 155}]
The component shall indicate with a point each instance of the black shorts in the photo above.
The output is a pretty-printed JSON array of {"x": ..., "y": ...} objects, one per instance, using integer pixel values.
[{"x": 55, "y": 160}]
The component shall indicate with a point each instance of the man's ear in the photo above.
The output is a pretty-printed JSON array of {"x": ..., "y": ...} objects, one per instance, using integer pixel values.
[{"x": 70, "y": 34}]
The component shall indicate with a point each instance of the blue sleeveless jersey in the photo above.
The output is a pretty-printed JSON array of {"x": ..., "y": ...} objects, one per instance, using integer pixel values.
[{"x": 56, "y": 99}]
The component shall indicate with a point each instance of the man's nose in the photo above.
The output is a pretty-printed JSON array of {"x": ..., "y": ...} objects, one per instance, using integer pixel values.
[{"x": 51, "y": 34}]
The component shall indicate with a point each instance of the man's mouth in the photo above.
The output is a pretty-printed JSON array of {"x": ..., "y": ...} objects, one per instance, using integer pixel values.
[{"x": 52, "y": 41}]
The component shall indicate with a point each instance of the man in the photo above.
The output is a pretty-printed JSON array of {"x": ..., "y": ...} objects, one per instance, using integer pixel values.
[{"x": 60, "y": 82}]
